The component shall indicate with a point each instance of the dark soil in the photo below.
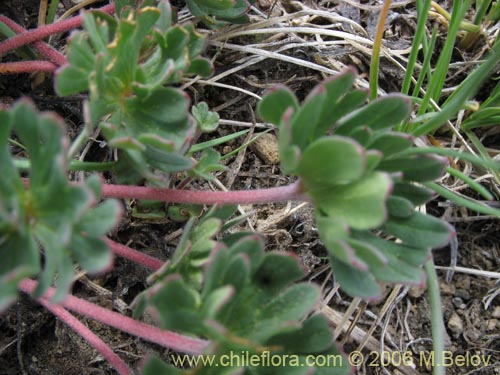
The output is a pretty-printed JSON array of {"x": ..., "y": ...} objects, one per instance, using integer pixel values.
[{"x": 33, "y": 342}]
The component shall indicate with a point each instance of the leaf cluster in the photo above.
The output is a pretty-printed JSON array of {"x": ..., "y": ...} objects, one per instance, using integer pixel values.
[
  {"x": 125, "y": 63},
  {"x": 244, "y": 300},
  {"x": 360, "y": 180},
  {"x": 50, "y": 219}
]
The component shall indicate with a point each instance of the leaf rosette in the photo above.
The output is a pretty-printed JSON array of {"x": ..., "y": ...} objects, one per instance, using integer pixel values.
[
  {"x": 124, "y": 64},
  {"x": 50, "y": 216},
  {"x": 249, "y": 305},
  {"x": 360, "y": 180}
]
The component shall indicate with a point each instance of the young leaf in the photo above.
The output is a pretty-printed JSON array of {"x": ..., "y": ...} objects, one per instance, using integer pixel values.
[
  {"x": 361, "y": 204},
  {"x": 420, "y": 230},
  {"x": 418, "y": 168},
  {"x": 274, "y": 104},
  {"x": 331, "y": 161},
  {"x": 206, "y": 120},
  {"x": 50, "y": 213},
  {"x": 305, "y": 119},
  {"x": 354, "y": 282},
  {"x": 390, "y": 143},
  {"x": 380, "y": 114}
]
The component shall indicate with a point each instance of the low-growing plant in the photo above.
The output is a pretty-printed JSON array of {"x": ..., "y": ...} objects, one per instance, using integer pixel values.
[{"x": 220, "y": 292}]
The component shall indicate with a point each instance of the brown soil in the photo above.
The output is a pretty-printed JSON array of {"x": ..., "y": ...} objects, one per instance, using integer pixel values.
[{"x": 34, "y": 342}]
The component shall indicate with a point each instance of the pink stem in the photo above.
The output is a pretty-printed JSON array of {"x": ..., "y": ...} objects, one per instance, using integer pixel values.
[
  {"x": 88, "y": 335},
  {"x": 278, "y": 194},
  {"x": 134, "y": 255},
  {"x": 42, "y": 32},
  {"x": 27, "y": 67},
  {"x": 49, "y": 52},
  {"x": 150, "y": 333}
]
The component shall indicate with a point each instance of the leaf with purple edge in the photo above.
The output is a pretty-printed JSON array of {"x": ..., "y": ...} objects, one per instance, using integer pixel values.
[
  {"x": 355, "y": 282},
  {"x": 331, "y": 161},
  {"x": 361, "y": 203},
  {"x": 420, "y": 230},
  {"x": 418, "y": 168},
  {"x": 380, "y": 114},
  {"x": 275, "y": 103}
]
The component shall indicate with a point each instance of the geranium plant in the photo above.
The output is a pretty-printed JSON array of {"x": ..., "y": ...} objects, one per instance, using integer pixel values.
[{"x": 220, "y": 292}]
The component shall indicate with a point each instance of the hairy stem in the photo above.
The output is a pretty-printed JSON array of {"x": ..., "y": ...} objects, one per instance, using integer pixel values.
[
  {"x": 145, "y": 331},
  {"x": 49, "y": 52},
  {"x": 45, "y": 31},
  {"x": 259, "y": 196},
  {"x": 27, "y": 67},
  {"x": 134, "y": 255},
  {"x": 437, "y": 323},
  {"x": 94, "y": 340}
]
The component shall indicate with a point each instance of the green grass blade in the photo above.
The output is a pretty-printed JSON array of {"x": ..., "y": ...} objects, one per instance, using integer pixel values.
[
  {"x": 471, "y": 183},
  {"x": 462, "y": 201},
  {"x": 463, "y": 92},
  {"x": 438, "y": 77},
  {"x": 422, "y": 15},
  {"x": 473, "y": 159},
  {"x": 215, "y": 142}
]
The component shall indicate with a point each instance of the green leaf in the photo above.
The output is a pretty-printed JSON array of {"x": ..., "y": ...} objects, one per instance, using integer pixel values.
[
  {"x": 400, "y": 207},
  {"x": 417, "y": 195},
  {"x": 173, "y": 292},
  {"x": 74, "y": 77},
  {"x": 215, "y": 300},
  {"x": 90, "y": 252},
  {"x": 404, "y": 263},
  {"x": 165, "y": 106},
  {"x": 201, "y": 67},
  {"x": 294, "y": 302},
  {"x": 313, "y": 337},
  {"x": 361, "y": 204},
  {"x": 354, "y": 282},
  {"x": 336, "y": 88},
  {"x": 418, "y": 168},
  {"x": 274, "y": 104},
  {"x": 415, "y": 256},
  {"x": 206, "y": 120},
  {"x": 390, "y": 143},
  {"x": 373, "y": 159},
  {"x": 305, "y": 119},
  {"x": 50, "y": 213},
  {"x": 277, "y": 271},
  {"x": 380, "y": 114},
  {"x": 420, "y": 230},
  {"x": 330, "y": 161}
]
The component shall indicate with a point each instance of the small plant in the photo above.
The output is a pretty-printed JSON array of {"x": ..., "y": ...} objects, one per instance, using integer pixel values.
[{"x": 220, "y": 292}]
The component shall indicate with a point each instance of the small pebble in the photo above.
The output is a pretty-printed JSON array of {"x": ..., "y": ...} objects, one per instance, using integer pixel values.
[
  {"x": 455, "y": 324},
  {"x": 458, "y": 303},
  {"x": 266, "y": 148},
  {"x": 446, "y": 288},
  {"x": 416, "y": 292},
  {"x": 492, "y": 324},
  {"x": 496, "y": 312},
  {"x": 461, "y": 293}
]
